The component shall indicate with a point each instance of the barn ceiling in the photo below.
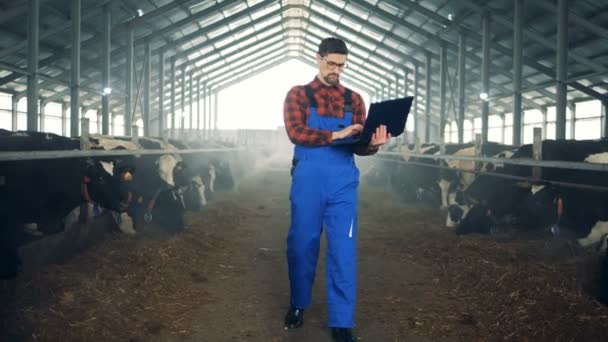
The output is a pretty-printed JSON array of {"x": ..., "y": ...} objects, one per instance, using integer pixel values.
[{"x": 223, "y": 42}]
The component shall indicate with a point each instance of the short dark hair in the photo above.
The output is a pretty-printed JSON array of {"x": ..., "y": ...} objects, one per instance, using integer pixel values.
[{"x": 332, "y": 45}]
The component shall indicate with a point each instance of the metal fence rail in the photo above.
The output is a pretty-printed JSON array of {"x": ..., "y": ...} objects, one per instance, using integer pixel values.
[
  {"x": 529, "y": 179},
  {"x": 37, "y": 155},
  {"x": 516, "y": 161}
]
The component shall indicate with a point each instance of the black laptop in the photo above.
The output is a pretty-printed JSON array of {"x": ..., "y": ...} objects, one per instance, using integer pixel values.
[{"x": 392, "y": 113}]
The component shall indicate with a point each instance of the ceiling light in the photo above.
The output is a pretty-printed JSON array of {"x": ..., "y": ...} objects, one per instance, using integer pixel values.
[
  {"x": 450, "y": 16},
  {"x": 483, "y": 96},
  {"x": 140, "y": 12},
  {"x": 107, "y": 91}
]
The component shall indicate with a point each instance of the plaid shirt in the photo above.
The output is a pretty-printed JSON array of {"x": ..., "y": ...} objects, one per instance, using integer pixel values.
[{"x": 330, "y": 102}]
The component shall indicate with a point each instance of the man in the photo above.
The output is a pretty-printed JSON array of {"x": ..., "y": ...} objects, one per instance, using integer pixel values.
[{"x": 324, "y": 188}]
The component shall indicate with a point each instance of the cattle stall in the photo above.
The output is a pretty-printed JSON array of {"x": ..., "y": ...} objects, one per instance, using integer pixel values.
[{"x": 418, "y": 280}]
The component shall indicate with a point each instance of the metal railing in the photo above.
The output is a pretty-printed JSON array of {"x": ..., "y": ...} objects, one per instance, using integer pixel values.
[{"x": 86, "y": 152}]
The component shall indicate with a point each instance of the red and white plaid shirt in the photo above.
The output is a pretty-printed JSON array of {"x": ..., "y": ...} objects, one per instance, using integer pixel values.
[{"x": 330, "y": 102}]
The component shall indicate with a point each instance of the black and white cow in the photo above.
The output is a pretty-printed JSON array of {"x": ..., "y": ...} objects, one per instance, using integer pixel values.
[
  {"x": 537, "y": 206},
  {"x": 208, "y": 172},
  {"x": 43, "y": 192},
  {"x": 155, "y": 183}
]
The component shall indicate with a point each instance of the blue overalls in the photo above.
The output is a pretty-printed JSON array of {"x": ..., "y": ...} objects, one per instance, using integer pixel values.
[{"x": 324, "y": 191}]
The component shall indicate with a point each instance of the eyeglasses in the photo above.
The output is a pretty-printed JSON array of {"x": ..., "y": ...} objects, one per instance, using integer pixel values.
[{"x": 333, "y": 65}]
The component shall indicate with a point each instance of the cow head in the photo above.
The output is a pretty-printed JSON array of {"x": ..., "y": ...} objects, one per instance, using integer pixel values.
[{"x": 107, "y": 182}]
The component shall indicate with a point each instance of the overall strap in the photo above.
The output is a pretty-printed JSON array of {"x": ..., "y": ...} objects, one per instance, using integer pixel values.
[
  {"x": 348, "y": 100},
  {"x": 311, "y": 96}
]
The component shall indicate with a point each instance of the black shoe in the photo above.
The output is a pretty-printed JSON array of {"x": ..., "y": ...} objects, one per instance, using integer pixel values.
[
  {"x": 294, "y": 318},
  {"x": 342, "y": 335}
]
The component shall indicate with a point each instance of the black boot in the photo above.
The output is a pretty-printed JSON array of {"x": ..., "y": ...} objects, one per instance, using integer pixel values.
[
  {"x": 342, "y": 335},
  {"x": 294, "y": 318}
]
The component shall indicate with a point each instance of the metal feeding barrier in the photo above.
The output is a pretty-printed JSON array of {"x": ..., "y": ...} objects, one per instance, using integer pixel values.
[
  {"x": 86, "y": 152},
  {"x": 536, "y": 163}
]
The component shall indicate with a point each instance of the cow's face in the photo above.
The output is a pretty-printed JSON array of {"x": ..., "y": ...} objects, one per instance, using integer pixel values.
[
  {"x": 478, "y": 219},
  {"x": 166, "y": 167},
  {"x": 108, "y": 183}
]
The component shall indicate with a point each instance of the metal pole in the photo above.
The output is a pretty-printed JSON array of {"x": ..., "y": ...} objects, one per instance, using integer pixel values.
[
  {"x": 182, "y": 109},
  {"x": 427, "y": 107},
  {"x": 605, "y": 118},
  {"x": 105, "y": 67},
  {"x": 442, "y": 88},
  {"x": 462, "y": 49},
  {"x": 415, "y": 103},
  {"x": 64, "y": 119},
  {"x": 161, "y": 93},
  {"x": 173, "y": 97},
  {"x": 75, "y": 71},
  {"x": 198, "y": 104},
  {"x": 204, "y": 109},
  {"x": 406, "y": 74},
  {"x": 210, "y": 123},
  {"x": 544, "y": 124},
  {"x": 561, "y": 68},
  {"x": 14, "y": 113},
  {"x": 128, "y": 121},
  {"x": 537, "y": 152},
  {"x": 485, "y": 76},
  {"x": 215, "y": 113},
  {"x": 572, "y": 107},
  {"x": 98, "y": 121},
  {"x": 518, "y": 20},
  {"x": 190, "y": 97},
  {"x": 33, "y": 37},
  {"x": 146, "y": 107},
  {"x": 42, "y": 114}
]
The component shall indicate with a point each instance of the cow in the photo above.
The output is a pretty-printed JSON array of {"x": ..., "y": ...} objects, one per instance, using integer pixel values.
[
  {"x": 155, "y": 183},
  {"x": 540, "y": 205},
  {"x": 43, "y": 192},
  {"x": 209, "y": 172}
]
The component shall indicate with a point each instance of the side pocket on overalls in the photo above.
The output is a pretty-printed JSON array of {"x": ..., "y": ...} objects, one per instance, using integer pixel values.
[{"x": 294, "y": 162}]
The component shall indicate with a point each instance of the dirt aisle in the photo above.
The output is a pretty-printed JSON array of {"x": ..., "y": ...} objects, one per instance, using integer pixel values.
[
  {"x": 225, "y": 279},
  {"x": 252, "y": 289}
]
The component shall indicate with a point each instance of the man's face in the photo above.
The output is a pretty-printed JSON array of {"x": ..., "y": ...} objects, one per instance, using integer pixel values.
[{"x": 331, "y": 66}]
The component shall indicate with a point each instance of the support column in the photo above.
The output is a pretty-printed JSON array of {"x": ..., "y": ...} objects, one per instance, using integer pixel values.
[
  {"x": 572, "y": 107},
  {"x": 544, "y": 124},
  {"x": 485, "y": 76},
  {"x": 204, "y": 109},
  {"x": 129, "y": 84},
  {"x": 191, "y": 86},
  {"x": 161, "y": 94},
  {"x": 209, "y": 127},
  {"x": 105, "y": 69},
  {"x": 33, "y": 37},
  {"x": 415, "y": 103},
  {"x": 182, "y": 109},
  {"x": 396, "y": 89},
  {"x": 198, "y": 104},
  {"x": 42, "y": 115},
  {"x": 561, "y": 69},
  {"x": 518, "y": 20},
  {"x": 462, "y": 49},
  {"x": 215, "y": 114},
  {"x": 442, "y": 92},
  {"x": 14, "y": 113},
  {"x": 605, "y": 118},
  {"x": 146, "y": 107},
  {"x": 75, "y": 70},
  {"x": 99, "y": 121},
  {"x": 406, "y": 74},
  {"x": 64, "y": 119},
  {"x": 427, "y": 107},
  {"x": 173, "y": 113}
]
